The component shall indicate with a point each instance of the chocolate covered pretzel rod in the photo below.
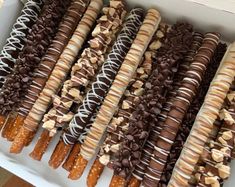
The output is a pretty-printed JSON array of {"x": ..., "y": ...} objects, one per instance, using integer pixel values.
[
  {"x": 191, "y": 114},
  {"x": 185, "y": 94},
  {"x": 203, "y": 124},
  {"x": 16, "y": 40},
  {"x": 116, "y": 91},
  {"x": 140, "y": 168},
  {"x": 74, "y": 88},
  {"x": 38, "y": 40},
  {"x": 42, "y": 73},
  {"x": 56, "y": 78},
  {"x": 219, "y": 155},
  {"x": 119, "y": 123},
  {"x": 114, "y": 15}
]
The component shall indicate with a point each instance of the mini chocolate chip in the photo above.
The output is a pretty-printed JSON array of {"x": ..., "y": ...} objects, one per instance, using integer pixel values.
[
  {"x": 125, "y": 162},
  {"x": 25, "y": 79},
  {"x": 135, "y": 146},
  {"x": 130, "y": 137},
  {"x": 2, "y": 101},
  {"x": 148, "y": 85},
  {"x": 125, "y": 153},
  {"x": 137, "y": 154},
  {"x": 122, "y": 174}
]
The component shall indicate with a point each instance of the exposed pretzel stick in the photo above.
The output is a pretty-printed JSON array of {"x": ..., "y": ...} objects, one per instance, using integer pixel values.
[
  {"x": 94, "y": 173},
  {"x": 69, "y": 162},
  {"x": 117, "y": 181}
]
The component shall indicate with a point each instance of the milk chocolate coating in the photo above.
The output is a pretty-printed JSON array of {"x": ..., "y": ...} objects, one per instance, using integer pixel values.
[
  {"x": 38, "y": 40},
  {"x": 145, "y": 115},
  {"x": 42, "y": 73},
  {"x": 189, "y": 87},
  {"x": 16, "y": 40},
  {"x": 105, "y": 77},
  {"x": 191, "y": 114}
]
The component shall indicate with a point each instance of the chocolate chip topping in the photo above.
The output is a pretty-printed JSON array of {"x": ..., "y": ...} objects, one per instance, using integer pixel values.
[
  {"x": 177, "y": 43},
  {"x": 37, "y": 42},
  {"x": 16, "y": 41}
]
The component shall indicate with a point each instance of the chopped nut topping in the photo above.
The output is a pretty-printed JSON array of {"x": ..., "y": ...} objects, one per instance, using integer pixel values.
[
  {"x": 125, "y": 105},
  {"x": 227, "y": 135},
  {"x": 138, "y": 84},
  {"x": 159, "y": 34},
  {"x": 68, "y": 104},
  {"x": 222, "y": 141},
  {"x": 107, "y": 148},
  {"x": 226, "y": 116},
  {"x": 144, "y": 76},
  {"x": 50, "y": 124},
  {"x": 74, "y": 92},
  {"x": 224, "y": 171},
  {"x": 114, "y": 148},
  {"x": 140, "y": 70},
  {"x": 116, "y": 4},
  {"x": 198, "y": 176},
  {"x": 231, "y": 96},
  {"x": 155, "y": 45},
  {"x": 56, "y": 100},
  {"x": 217, "y": 155},
  {"x": 104, "y": 159},
  {"x": 212, "y": 181},
  {"x": 139, "y": 92},
  {"x": 127, "y": 93}
]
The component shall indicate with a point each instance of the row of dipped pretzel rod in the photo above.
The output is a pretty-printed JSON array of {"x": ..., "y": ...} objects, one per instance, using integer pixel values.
[{"x": 151, "y": 98}]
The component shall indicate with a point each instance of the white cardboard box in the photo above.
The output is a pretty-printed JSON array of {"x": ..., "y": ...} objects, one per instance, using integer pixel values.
[{"x": 206, "y": 15}]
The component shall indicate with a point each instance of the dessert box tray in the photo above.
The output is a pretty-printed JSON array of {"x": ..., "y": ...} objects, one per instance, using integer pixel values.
[{"x": 202, "y": 16}]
